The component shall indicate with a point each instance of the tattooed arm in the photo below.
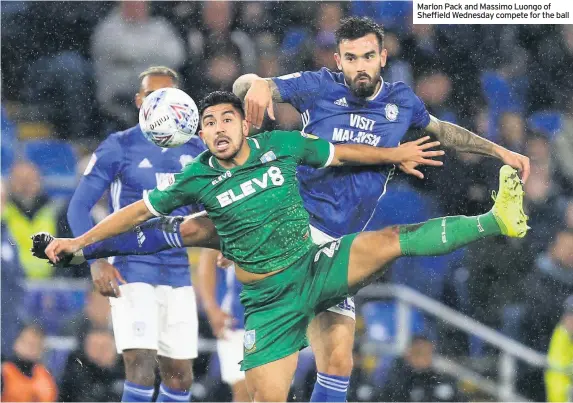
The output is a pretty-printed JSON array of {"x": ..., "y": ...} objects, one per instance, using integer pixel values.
[
  {"x": 258, "y": 95},
  {"x": 242, "y": 85},
  {"x": 462, "y": 140}
]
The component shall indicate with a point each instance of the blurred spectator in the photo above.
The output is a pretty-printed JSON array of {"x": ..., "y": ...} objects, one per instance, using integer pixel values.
[
  {"x": 397, "y": 69},
  {"x": 322, "y": 51},
  {"x": 96, "y": 314},
  {"x": 545, "y": 289},
  {"x": 412, "y": 378},
  {"x": 24, "y": 378},
  {"x": 435, "y": 89},
  {"x": 219, "y": 73},
  {"x": 420, "y": 49},
  {"x": 562, "y": 151},
  {"x": 541, "y": 195},
  {"x": 92, "y": 372},
  {"x": 28, "y": 211},
  {"x": 124, "y": 43},
  {"x": 217, "y": 33},
  {"x": 12, "y": 285},
  {"x": 560, "y": 358},
  {"x": 512, "y": 131}
]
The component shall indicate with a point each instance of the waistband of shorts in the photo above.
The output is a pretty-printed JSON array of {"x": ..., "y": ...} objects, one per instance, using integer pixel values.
[{"x": 281, "y": 277}]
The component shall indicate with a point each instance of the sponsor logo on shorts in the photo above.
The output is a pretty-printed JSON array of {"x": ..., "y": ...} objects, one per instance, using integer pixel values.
[{"x": 249, "y": 341}]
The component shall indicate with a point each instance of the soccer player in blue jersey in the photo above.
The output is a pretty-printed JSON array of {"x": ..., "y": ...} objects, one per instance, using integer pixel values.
[
  {"x": 226, "y": 316},
  {"x": 351, "y": 106},
  {"x": 153, "y": 311}
]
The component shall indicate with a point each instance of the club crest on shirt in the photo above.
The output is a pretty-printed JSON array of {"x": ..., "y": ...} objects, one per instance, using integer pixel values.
[
  {"x": 391, "y": 111},
  {"x": 268, "y": 157},
  {"x": 249, "y": 341}
]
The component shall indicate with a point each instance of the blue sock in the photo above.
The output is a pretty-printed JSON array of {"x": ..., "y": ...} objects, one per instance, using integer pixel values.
[
  {"x": 171, "y": 395},
  {"x": 330, "y": 388},
  {"x": 133, "y": 392},
  {"x": 152, "y": 236}
]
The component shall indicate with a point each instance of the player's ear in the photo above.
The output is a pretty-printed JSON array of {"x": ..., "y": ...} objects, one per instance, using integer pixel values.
[
  {"x": 338, "y": 61},
  {"x": 245, "y": 127},
  {"x": 138, "y": 100},
  {"x": 383, "y": 57},
  {"x": 202, "y": 137}
]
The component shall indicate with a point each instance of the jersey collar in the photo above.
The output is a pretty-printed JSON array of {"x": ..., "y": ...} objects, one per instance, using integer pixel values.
[{"x": 254, "y": 147}]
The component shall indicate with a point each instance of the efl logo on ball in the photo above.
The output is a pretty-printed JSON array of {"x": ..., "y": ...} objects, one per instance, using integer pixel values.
[{"x": 168, "y": 117}]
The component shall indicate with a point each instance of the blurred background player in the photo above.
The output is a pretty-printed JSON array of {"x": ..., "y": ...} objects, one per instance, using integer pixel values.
[
  {"x": 226, "y": 316},
  {"x": 154, "y": 311}
]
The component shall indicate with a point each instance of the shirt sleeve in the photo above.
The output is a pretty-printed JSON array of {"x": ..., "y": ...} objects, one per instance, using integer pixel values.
[
  {"x": 420, "y": 115},
  {"x": 307, "y": 149},
  {"x": 180, "y": 190},
  {"x": 299, "y": 89},
  {"x": 102, "y": 169}
]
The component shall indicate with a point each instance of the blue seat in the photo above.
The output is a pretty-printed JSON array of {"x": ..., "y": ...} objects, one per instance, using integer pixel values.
[
  {"x": 392, "y": 14},
  {"x": 57, "y": 162},
  {"x": 293, "y": 40},
  {"x": 9, "y": 142},
  {"x": 54, "y": 307},
  {"x": 547, "y": 122},
  {"x": 381, "y": 321}
]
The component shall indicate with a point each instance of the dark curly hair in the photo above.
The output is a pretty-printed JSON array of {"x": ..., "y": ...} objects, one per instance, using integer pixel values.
[
  {"x": 221, "y": 97},
  {"x": 357, "y": 27}
]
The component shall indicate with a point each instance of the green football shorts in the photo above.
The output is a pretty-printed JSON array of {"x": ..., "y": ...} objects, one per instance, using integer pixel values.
[{"x": 279, "y": 308}]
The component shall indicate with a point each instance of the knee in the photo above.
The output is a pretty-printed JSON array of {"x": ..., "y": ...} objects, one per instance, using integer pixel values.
[
  {"x": 176, "y": 374},
  {"x": 140, "y": 366},
  {"x": 340, "y": 362}
]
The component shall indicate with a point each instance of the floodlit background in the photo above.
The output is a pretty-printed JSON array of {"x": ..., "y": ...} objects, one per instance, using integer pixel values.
[{"x": 69, "y": 75}]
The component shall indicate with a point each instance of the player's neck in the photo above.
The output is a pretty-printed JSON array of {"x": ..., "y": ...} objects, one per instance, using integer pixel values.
[{"x": 239, "y": 159}]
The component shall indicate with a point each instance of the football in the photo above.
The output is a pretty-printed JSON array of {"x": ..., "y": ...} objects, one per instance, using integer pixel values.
[{"x": 168, "y": 117}]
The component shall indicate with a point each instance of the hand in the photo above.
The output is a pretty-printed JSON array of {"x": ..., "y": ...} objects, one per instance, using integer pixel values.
[
  {"x": 257, "y": 99},
  {"x": 219, "y": 321},
  {"x": 517, "y": 161},
  {"x": 418, "y": 151},
  {"x": 62, "y": 246},
  {"x": 105, "y": 278},
  {"x": 409, "y": 168},
  {"x": 223, "y": 262}
]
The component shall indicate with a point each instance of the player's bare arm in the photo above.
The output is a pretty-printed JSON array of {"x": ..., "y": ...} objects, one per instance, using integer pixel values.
[
  {"x": 453, "y": 136},
  {"x": 114, "y": 224},
  {"x": 258, "y": 95},
  {"x": 419, "y": 151},
  {"x": 206, "y": 284}
]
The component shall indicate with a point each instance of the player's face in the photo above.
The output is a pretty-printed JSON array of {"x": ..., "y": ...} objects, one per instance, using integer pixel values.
[
  {"x": 361, "y": 62},
  {"x": 150, "y": 84},
  {"x": 224, "y": 131}
]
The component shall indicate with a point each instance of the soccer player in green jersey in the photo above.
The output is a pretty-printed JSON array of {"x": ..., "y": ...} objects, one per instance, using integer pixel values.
[{"x": 249, "y": 189}]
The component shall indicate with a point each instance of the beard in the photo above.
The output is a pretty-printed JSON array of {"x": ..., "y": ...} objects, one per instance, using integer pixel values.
[{"x": 363, "y": 89}]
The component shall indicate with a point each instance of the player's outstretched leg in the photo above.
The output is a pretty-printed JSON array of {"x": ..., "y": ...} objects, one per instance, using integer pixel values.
[
  {"x": 371, "y": 251},
  {"x": 153, "y": 236}
]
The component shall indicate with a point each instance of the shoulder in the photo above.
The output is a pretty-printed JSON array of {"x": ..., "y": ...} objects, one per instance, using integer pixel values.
[
  {"x": 398, "y": 88},
  {"x": 124, "y": 138}
]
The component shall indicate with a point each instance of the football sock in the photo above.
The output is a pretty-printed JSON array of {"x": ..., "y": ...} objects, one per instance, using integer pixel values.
[
  {"x": 171, "y": 395},
  {"x": 444, "y": 235},
  {"x": 133, "y": 392},
  {"x": 153, "y": 236},
  {"x": 330, "y": 388}
]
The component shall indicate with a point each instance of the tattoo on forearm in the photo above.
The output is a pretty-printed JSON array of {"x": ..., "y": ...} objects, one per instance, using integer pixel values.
[
  {"x": 460, "y": 139},
  {"x": 276, "y": 94}
]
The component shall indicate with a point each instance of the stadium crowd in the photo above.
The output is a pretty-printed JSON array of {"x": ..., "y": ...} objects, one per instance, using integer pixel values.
[{"x": 69, "y": 74}]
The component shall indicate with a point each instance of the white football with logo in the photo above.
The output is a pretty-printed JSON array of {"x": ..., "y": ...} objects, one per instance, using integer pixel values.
[{"x": 168, "y": 117}]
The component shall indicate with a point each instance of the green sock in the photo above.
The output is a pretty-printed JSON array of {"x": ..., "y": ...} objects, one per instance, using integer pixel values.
[{"x": 444, "y": 235}]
